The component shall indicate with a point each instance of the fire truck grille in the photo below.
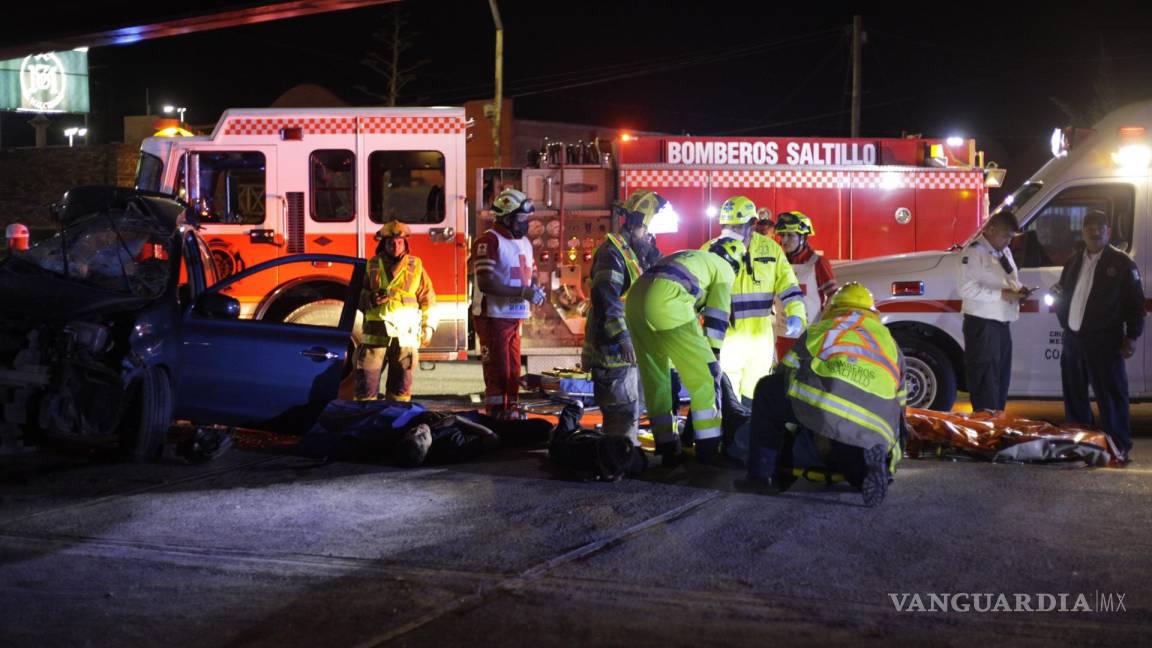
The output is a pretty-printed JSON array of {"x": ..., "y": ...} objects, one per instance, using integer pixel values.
[{"x": 295, "y": 222}]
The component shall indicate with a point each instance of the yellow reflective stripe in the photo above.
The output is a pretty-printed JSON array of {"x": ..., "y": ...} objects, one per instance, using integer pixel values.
[
  {"x": 626, "y": 251},
  {"x": 843, "y": 408},
  {"x": 615, "y": 326},
  {"x": 791, "y": 360},
  {"x": 610, "y": 276}
]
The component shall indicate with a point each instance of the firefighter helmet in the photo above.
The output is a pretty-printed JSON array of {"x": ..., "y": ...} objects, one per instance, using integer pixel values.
[
  {"x": 852, "y": 295},
  {"x": 511, "y": 202},
  {"x": 737, "y": 210},
  {"x": 794, "y": 222},
  {"x": 392, "y": 228},
  {"x": 729, "y": 249},
  {"x": 641, "y": 207}
]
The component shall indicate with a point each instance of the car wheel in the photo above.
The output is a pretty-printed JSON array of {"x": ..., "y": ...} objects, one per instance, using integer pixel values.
[
  {"x": 149, "y": 416},
  {"x": 928, "y": 374}
]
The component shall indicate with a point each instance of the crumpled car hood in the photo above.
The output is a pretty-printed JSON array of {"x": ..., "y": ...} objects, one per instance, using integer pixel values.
[{"x": 29, "y": 292}]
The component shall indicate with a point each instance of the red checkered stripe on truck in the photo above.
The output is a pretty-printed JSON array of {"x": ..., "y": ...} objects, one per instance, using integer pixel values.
[
  {"x": 737, "y": 179},
  {"x": 346, "y": 125}
]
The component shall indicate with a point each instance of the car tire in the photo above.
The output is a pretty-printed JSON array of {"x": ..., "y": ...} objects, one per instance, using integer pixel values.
[
  {"x": 149, "y": 417},
  {"x": 325, "y": 312},
  {"x": 929, "y": 375}
]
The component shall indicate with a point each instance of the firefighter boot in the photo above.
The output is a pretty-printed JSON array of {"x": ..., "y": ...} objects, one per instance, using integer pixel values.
[
  {"x": 670, "y": 453},
  {"x": 875, "y": 484}
]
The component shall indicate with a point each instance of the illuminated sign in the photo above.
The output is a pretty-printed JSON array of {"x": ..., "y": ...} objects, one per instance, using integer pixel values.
[
  {"x": 760, "y": 152},
  {"x": 47, "y": 82}
]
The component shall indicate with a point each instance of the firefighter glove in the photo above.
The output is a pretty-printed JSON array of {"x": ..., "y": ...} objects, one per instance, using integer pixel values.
[
  {"x": 795, "y": 326},
  {"x": 537, "y": 297},
  {"x": 627, "y": 351},
  {"x": 427, "y": 335}
]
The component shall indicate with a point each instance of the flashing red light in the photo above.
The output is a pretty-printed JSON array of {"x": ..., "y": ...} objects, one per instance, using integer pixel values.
[
  {"x": 626, "y": 137},
  {"x": 292, "y": 134},
  {"x": 546, "y": 256},
  {"x": 907, "y": 288},
  {"x": 587, "y": 256},
  {"x": 1130, "y": 133}
]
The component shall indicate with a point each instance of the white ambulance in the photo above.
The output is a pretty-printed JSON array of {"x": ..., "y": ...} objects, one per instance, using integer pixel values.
[{"x": 1106, "y": 168}]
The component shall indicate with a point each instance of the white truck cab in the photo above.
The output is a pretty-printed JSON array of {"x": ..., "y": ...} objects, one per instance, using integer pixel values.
[{"x": 1106, "y": 168}]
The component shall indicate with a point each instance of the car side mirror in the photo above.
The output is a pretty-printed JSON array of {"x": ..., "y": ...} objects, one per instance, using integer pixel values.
[{"x": 217, "y": 306}]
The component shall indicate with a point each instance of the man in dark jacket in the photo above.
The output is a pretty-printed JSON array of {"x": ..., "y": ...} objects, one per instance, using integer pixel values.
[
  {"x": 1101, "y": 307},
  {"x": 608, "y": 353}
]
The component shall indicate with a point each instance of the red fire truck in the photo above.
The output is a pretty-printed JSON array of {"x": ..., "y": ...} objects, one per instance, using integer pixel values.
[
  {"x": 274, "y": 182},
  {"x": 866, "y": 198}
]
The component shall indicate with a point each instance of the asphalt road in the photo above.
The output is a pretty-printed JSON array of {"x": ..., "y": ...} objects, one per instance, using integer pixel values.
[{"x": 264, "y": 548}]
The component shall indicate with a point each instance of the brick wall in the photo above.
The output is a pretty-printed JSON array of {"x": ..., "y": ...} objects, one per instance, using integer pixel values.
[{"x": 30, "y": 179}]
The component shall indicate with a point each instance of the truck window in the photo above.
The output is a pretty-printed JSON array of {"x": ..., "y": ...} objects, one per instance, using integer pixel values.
[
  {"x": 333, "y": 185},
  {"x": 407, "y": 186},
  {"x": 1053, "y": 235},
  {"x": 148, "y": 172},
  {"x": 232, "y": 184}
]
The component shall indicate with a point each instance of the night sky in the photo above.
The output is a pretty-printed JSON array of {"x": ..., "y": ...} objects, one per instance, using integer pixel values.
[{"x": 700, "y": 68}]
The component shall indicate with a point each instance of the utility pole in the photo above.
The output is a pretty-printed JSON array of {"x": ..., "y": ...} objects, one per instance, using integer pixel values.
[
  {"x": 499, "y": 101},
  {"x": 857, "y": 42}
]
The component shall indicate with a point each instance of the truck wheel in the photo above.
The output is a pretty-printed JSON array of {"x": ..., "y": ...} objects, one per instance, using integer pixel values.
[
  {"x": 928, "y": 375},
  {"x": 146, "y": 422},
  {"x": 325, "y": 312}
]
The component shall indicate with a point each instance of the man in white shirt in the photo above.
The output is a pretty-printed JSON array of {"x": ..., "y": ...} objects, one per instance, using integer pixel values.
[{"x": 989, "y": 283}]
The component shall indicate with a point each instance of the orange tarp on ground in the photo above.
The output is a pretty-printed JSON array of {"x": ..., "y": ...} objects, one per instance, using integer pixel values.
[{"x": 997, "y": 436}]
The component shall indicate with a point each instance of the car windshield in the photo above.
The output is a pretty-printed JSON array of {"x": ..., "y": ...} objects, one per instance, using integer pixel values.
[{"x": 121, "y": 250}]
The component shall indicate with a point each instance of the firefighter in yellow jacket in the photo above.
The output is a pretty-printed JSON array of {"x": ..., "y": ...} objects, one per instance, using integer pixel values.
[
  {"x": 397, "y": 301},
  {"x": 843, "y": 379},
  {"x": 664, "y": 311},
  {"x": 764, "y": 274}
]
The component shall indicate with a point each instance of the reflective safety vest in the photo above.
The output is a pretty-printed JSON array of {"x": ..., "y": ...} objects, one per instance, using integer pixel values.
[
  {"x": 702, "y": 284},
  {"x": 615, "y": 268},
  {"x": 511, "y": 261},
  {"x": 406, "y": 309},
  {"x": 765, "y": 275},
  {"x": 846, "y": 380}
]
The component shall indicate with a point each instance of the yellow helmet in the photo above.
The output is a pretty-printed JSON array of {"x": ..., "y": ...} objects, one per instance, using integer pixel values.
[
  {"x": 729, "y": 249},
  {"x": 795, "y": 222},
  {"x": 737, "y": 210},
  {"x": 392, "y": 228},
  {"x": 641, "y": 207},
  {"x": 512, "y": 201},
  {"x": 852, "y": 295}
]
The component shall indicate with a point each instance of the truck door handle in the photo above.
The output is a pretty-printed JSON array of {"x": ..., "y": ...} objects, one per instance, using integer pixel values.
[
  {"x": 319, "y": 354},
  {"x": 266, "y": 236},
  {"x": 441, "y": 234}
]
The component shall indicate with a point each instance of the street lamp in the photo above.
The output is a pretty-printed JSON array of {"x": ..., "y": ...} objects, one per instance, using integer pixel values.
[
  {"x": 74, "y": 132},
  {"x": 176, "y": 109}
]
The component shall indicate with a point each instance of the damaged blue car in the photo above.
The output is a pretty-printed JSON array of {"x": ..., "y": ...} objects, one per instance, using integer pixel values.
[{"x": 118, "y": 325}]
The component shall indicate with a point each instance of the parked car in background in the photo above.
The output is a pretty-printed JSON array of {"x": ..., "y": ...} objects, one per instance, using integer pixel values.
[{"x": 118, "y": 325}]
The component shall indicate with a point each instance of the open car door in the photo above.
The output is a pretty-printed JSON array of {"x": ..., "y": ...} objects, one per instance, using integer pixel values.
[{"x": 275, "y": 376}]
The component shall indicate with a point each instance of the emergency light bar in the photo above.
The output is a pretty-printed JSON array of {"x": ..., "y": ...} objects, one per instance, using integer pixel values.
[
  {"x": 1063, "y": 139},
  {"x": 1134, "y": 155}
]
